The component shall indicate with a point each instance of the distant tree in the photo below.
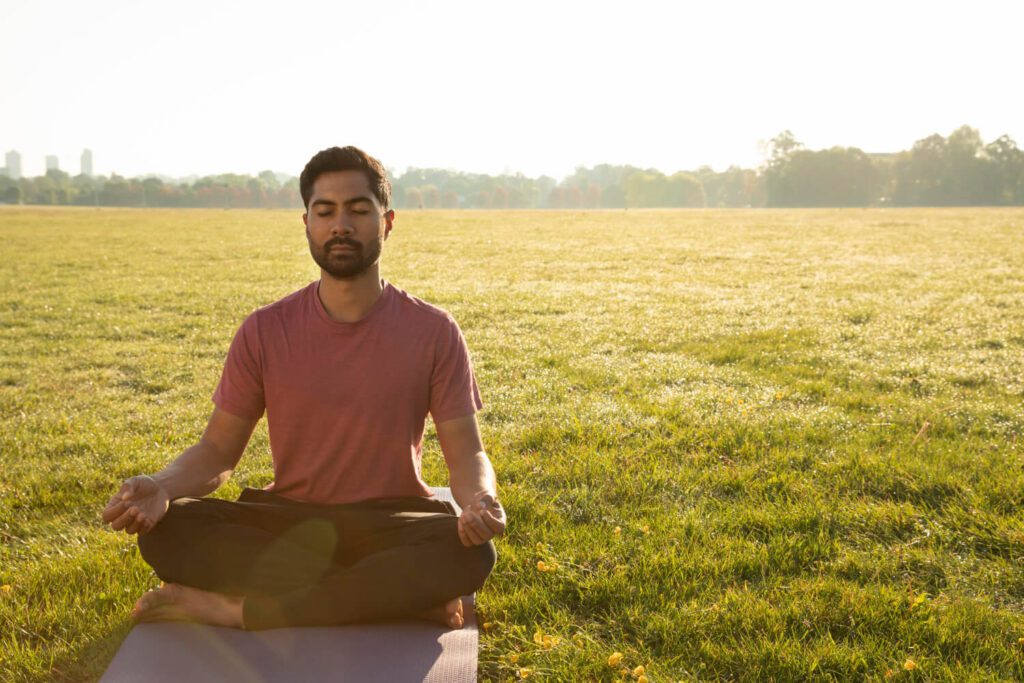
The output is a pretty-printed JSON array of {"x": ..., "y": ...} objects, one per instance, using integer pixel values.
[
  {"x": 964, "y": 178},
  {"x": 954, "y": 171},
  {"x": 683, "y": 190},
  {"x": 482, "y": 199},
  {"x": 150, "y": 191},
  {"x": 269, "y": 181},
  {"x": 499, "y": 198},
  {"x": 413, "y": 198},
  {"x": 647, "y": 189},
  {"x": 450, "y": 199},
  {"x": 255, "y": 193},
  {"x": 831, "y": 177},
  {"x": 780, "y": 150},
  {"x": 518, "y": 199},
  {"x": 431, "y": 197},
  {"x": 573, "y": 197},
  {"x": 12, "y": 195},
  {"x": 613, "y": 196},
  {"x": 556, "y": 198},
  {"x": 1006, "y": 176},
  {"x": 919, "y": 173}
]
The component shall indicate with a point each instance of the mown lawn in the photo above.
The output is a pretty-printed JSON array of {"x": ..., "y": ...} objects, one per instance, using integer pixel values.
[{"x": 734, "y": 445}]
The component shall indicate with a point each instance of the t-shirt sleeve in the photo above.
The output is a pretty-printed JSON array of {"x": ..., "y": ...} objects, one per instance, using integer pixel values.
[
  {"x": 240, "y": 391},
  {"x": 453, "y": 389}
]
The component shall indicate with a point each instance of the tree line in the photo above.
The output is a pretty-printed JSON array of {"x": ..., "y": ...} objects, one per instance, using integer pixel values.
[{"x": 957, "y": 170}]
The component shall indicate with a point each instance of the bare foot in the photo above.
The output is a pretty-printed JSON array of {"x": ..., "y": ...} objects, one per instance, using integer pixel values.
[
  {"x": 174, "y": 602},
  {"x": 449, "y": 614}
]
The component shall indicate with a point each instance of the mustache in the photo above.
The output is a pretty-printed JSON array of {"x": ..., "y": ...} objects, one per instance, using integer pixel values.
[{"x": 342, "y": 241}]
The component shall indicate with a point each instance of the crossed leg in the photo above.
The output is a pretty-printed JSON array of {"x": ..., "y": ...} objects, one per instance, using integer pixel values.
[{"x": 262, "y": 565}]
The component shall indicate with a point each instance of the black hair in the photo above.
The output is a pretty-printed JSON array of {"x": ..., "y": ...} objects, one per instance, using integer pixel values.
[{"x": 346, "y": 159}]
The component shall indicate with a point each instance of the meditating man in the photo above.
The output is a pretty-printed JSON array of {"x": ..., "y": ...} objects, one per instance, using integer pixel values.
[{"x": 346, "y": 370}]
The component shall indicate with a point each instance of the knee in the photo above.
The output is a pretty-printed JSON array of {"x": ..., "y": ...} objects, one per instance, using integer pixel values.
[
  {"x": 480, "y": 563},
  {"x": 160, "y": 546},
  {"x": 153, "y": 548}
]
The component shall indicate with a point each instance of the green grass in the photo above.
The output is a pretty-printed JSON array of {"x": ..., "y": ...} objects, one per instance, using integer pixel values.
[{"x": 741, "y": 394}]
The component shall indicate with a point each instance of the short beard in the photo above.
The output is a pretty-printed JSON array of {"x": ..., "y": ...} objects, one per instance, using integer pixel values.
[{"x": 349, "y": 266}]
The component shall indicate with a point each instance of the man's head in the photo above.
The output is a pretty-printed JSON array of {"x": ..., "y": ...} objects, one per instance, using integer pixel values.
[
  {"x": 347, "y": 219},
  {"x": 346, "y": 159}
]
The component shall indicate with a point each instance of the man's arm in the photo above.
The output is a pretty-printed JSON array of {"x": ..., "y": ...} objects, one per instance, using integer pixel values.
[
  {"x": 473, "y": 483},
  {"x": 143, "y": 500}
]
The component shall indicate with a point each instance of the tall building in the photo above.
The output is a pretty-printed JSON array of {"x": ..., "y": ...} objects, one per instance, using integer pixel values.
[
  {"x": 13, "y": 165},
  {"x": 51, "y": 163},
  {"x": 87, "y": 162}
]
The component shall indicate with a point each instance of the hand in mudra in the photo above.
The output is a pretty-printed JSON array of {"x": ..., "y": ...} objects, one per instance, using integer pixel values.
[
  {"x": 137, "y": 506},
  {"x": 481, "y": 521}
]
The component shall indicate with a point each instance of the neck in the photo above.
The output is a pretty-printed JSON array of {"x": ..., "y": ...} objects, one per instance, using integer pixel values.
[{"x": 349, "y": 301}]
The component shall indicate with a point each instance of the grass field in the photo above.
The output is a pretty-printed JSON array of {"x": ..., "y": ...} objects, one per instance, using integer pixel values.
[{"x": 734, "y": 445}]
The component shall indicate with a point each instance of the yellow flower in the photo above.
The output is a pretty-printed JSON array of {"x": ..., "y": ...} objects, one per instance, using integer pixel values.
[
  {"x": 551, "y": 641},
  {"x": 639, "y": 671},
  {"x": 540, "y": 547},
  {"x": 618, "y": 531},
  {"x": 538, "y": 637},
  {"x": 487, "y": 626},
  {"x": 6, "y": 588},
  {"x": 614, "y": 659},
  {"x": 646, "y": 529},
  {"x": 542, "y": 566},
  {"x": 909, "y": 665},
  {"x": 641, "y": 679},
  {"x": 525, "y": 673},
  {"x": 514, "y": 657},
  {"x": 1019, "y": 640}
]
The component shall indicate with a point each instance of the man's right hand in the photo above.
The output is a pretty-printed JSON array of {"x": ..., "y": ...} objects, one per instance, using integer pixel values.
[{"x": 138, "y": 506}]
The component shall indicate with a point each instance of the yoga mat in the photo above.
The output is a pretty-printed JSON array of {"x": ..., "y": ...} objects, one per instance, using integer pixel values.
[{"x": 389, "y": 652}]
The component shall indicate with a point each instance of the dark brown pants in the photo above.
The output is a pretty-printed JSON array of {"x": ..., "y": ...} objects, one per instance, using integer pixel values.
[{"x": 302, "y": 564}]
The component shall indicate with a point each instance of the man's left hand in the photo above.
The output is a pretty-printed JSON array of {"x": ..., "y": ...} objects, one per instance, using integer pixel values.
[{"x": 481, "y": 521}]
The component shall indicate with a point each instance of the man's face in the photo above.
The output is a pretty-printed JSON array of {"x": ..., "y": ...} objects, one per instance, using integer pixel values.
[{"x": 345, "y": 224}]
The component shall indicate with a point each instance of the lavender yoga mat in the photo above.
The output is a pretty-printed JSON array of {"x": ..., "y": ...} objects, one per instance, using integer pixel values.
[{"x": 391, "y": 652}]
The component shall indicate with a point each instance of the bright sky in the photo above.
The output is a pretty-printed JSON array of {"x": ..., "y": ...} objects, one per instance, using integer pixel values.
[{"x": 201, "y": 87}]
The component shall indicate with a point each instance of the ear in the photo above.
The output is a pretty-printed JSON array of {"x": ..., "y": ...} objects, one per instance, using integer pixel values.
[
  {"x": 389, "y": 222},
  {"x": 305, "y": 221}
]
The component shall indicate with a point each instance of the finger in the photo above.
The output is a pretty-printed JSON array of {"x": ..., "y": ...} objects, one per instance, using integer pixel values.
[
  {"x": 124, "y": 520},
  {"x": 463, "y": 537},
  {"x": 469, "y": 539},
  {"x": 476, "y": 529},
  {"x": 113, "y": 510},
  {"x": 136, "y": 524},
  {"x": 126, "y": 488},
  {"x": 496, "y": 525}
]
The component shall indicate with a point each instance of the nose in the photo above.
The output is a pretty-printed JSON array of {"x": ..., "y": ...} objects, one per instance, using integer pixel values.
[{"x": 342, "y": 225}]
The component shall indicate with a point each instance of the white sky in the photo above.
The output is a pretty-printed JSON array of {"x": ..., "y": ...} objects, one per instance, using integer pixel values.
[{"x": 209, "y": 86}]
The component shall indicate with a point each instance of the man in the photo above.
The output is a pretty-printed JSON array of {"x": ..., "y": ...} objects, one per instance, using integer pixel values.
[{"x": 346, "y": 370}]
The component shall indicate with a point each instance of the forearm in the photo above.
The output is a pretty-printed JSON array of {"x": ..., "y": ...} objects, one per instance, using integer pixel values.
[
  {"x": 197, "y": 472},
  {"x": 472, "y": 478}
]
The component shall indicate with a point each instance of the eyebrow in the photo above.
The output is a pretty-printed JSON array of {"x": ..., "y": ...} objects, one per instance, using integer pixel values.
[{"x": 347, "y": 202}]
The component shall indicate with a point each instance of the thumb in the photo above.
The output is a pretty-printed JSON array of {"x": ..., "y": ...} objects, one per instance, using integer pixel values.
[{"x": 130, "y": 488}]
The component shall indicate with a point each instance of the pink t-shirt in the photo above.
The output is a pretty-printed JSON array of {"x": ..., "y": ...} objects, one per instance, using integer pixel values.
[{"x": 346, "y": 402}]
